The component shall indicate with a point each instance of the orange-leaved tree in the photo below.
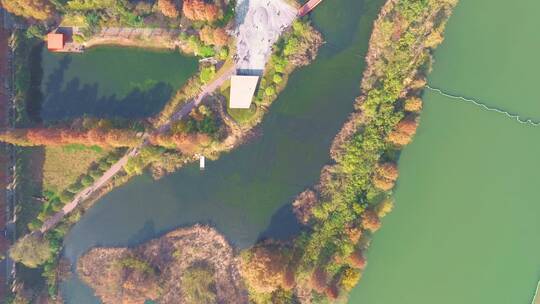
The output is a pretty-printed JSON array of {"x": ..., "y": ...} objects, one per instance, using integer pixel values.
[
  {"x": 370, "y": 221},
  {"x": 217, "y": 36},
  {"x": 168, "y": 8},
  {"x": 403, "y": 133},
  {"x": 264, "y": 267},
  {"x": 111, "y": 138},
  {"x": 385, "y": 176},
  {"x": 199, "y": 10}
]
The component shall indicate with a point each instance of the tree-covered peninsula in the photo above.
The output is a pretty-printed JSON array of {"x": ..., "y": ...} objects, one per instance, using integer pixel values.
[{"x": 345, "y": 208}]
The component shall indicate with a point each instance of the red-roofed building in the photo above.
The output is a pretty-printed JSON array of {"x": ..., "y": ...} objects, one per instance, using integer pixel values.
[{"x": 55, "y": 41}]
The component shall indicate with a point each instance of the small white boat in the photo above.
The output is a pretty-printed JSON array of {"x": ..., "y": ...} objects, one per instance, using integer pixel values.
[{"x": 201, "y": 162}]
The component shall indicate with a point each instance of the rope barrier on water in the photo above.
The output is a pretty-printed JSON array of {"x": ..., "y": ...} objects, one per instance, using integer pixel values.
[
  {"x": 486, "y": 107},
  {"x": 506, "y": 113}
]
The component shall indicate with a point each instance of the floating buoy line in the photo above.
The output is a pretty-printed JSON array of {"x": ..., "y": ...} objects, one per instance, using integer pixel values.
[{"x": 484, "y": 106}]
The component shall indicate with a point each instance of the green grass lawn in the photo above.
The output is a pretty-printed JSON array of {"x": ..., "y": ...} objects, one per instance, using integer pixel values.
[
  {"x": 241, "y": 116},
  {"x": 64, "y": 165}
]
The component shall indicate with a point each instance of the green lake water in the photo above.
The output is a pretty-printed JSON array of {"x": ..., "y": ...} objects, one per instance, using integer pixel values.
[
  {"x": 466, "y": 228},
  {"x": 111, "y": 82},
  {"x": 246, "y": 194}
]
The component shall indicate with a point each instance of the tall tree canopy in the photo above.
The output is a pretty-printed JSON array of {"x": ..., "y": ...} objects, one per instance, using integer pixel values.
[
  {"x": 201, "y": 11},
  {"x": 65, "y": 136},
  {"x": 214, "y": 36},
  {"x": 31, "y": 250},
  {"x": 168, "y": 8},
  {"x": 36, "y": 9}
]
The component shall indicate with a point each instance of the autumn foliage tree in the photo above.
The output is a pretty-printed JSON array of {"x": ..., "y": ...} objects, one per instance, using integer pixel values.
[
  {"x": 357, "y": 259},
  {"x": 187, "y": 143},
  {"x": 384, "y": 207},
  {"x": 113, "y": 138},
  {"x": 264, "y": 267},
  {"x": 413, "y": 104},
  {"x": 332, "y": 292},
  {"x": 289, "y": 279},
  {"x": 168, "y": 8},
  {"x": 403, "y": 133},
  {"x": 36, "y": 9},
  {"x": 354, "y": 232},
  {"x": 319, "y": 280},
  {"x": 385, "y": 176},
  {"x": 199, "y": 10},
  {"x": 349, "y": 278},
  {"x": 370, "y": 221},
  {"x": 434, "y": 39},
  {"x": 214, "y": 36},
  {"x": 388, "y": 171}
]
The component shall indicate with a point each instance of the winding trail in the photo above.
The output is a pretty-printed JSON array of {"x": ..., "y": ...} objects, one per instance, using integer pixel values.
[{"x": 484, "y": 106}]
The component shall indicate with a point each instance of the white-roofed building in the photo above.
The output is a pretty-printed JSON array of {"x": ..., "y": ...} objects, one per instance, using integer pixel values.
[{"x": 242, "y": 91}]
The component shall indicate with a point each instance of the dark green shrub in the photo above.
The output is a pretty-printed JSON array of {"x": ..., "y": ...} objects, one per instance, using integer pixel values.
[
  {"x": 87, "y": 180},
  {"x": 75, "y": 188},
  {"x": 66, "y": 197},
  {"x": 35, "y": 224},
  {"x": 57, "y": 205},
  {"x": 111, "y": 159},
  {"x": 104, "y": 166},
  {"x": 96, "y": 173}
]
